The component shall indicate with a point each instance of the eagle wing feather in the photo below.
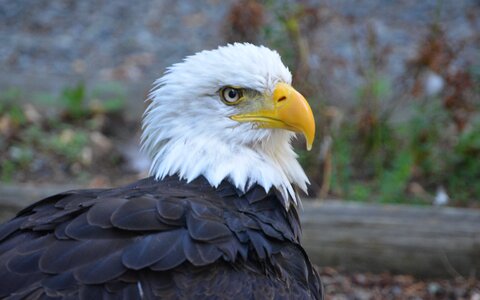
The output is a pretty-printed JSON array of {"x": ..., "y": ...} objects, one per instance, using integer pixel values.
[{"x": 156, "y": 239}]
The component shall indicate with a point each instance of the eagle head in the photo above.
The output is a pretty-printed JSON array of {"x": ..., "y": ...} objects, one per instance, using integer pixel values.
[{"x": 229, "y": 113}]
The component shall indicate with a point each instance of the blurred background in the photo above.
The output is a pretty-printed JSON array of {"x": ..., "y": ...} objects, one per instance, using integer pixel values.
[{"x": 394, "y": 85}]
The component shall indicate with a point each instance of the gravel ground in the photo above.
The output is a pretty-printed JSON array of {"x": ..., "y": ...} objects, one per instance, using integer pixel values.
[{"x": 49, "y": 44}]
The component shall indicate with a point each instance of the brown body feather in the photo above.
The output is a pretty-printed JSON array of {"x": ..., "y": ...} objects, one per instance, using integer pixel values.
[{"x": 156, "y": 239}]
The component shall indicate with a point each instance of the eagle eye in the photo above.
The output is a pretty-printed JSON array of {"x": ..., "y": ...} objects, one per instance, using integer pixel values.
[{"x": 231, "y": 96}]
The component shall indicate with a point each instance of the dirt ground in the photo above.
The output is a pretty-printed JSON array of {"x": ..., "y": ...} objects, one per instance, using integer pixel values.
[{"x": 342, "y": 285}]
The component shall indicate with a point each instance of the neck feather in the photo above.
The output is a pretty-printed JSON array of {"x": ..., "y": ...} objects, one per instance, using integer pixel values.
[{"x": 271, "y": 164}]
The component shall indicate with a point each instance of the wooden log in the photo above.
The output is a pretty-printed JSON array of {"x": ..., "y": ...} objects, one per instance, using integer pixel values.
[
  {"x": 424, "y": 241},
  {"x": 14, "y": 197}
]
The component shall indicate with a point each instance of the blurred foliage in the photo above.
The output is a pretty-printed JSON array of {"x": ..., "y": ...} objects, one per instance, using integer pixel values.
[
  {"x": 73, "y": 98},
  {"x": 60, "y": 139},
  {"x": 365, "y": 153},
  {"x": 384, "y": 162}
]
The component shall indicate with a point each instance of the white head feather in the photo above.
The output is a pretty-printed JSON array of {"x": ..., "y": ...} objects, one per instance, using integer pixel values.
[{"x": 187, "y": 129}]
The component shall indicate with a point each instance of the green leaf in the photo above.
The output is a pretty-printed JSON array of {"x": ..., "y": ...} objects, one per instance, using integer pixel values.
[{"x": 74, "y": 100}]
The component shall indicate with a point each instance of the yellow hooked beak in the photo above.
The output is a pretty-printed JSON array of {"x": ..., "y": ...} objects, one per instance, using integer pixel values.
[{"x": 289, "y": 111}]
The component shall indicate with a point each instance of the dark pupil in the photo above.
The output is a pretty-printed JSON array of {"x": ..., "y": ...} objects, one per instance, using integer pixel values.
[{"x": 232, "y": 93}]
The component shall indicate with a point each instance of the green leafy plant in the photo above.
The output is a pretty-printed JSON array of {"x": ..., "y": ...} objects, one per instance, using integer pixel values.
[
  {"x": 67, "y": 143},
  {"x": 58, "y": 130},
  {"x": 73, "y": 98},
  {"x": 394, "y": 180},
  {"x": 110, "y": 97}
]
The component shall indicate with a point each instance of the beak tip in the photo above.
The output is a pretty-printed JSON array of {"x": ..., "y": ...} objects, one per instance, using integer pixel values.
[
  {"x": 309, "y": 135},
  {"x": 309, "y": 144}
]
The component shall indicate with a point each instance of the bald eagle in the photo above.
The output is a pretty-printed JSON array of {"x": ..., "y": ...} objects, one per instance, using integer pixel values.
[{"x": 217, "y": 219}]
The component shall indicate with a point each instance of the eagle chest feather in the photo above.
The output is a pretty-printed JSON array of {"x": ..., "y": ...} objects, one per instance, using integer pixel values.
[{"x": 157, "y": 239}]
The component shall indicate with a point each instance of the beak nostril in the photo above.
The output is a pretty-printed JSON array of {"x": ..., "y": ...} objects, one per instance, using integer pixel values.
[{"x": 283, "y": 98}]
